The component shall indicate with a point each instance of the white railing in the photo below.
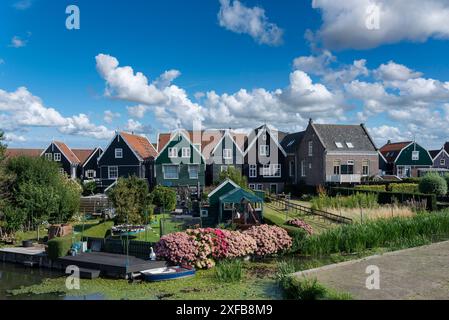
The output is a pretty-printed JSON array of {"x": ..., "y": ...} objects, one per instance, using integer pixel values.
[{"x": 344, "y": 178}]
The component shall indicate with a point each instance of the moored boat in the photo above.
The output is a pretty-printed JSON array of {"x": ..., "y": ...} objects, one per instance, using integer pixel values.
[{"x": 167, "y": 273}]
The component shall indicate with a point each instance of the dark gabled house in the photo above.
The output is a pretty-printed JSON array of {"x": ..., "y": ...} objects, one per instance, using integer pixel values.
[
  {"x": 332, "y": 153},
  {"x": 225, "y": 153},
  {"x": 127, "y": 155},
  {"x": 291, "y": 143},
  {"x": 405, "y": 159},
  {"x": 88, "y": 169},
  {"x": 440, "y": 159},
  {"x": 265, "y": 158},
  {"x": 180, "y": 163},
  {"x": 59, "y": 152}
]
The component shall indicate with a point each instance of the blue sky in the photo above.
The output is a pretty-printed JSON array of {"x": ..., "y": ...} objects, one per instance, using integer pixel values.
[{"x": 57, "y": 83}]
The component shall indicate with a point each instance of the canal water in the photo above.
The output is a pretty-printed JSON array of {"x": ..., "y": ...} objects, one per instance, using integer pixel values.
[{"x": 15, "y": 276}]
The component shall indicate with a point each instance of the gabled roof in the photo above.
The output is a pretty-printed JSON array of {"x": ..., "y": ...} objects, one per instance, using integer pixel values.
[
  {"x": 259, "y": 131},
  {"x": 13, "y": 153},
  {"x": 222, "y": 185},
  {"x": 239, "y": 194},
  {"x": 356, "y": 135},
  {"x": 232, "y": 136},
  {"x": 435, "y": 153},
  {"x": 391, "y": 151},
  {"x": 292, "y": 141},
  {"x": 173, "y": 135},
  {"x": 83, "y": 154},
  {"x": 92, "y": 154},
  {"x": 140, "y": 145},
  {"x": 67, "y": 152}
]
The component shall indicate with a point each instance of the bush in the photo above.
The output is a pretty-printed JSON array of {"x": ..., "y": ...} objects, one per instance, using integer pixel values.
[
  {"x": 239, "y": 244},
  {"x": 295, "y": 288},
  {"x": 269, "y": 239},
  {"x": 59, "y": 247},
  {"x": 164, "y": 197},
  {"x": 177, "y": 248},
  {"x": 89, "y": 188},
  {"x": 298, "y": 223},
  {"x": 404, "y": 187},
  {"x": 229, "y": 271},
  {"x": 446, "y": 177},
  {"x": 374, "y": 187},
  {"x": 366, "y": 200},
  {"x": 433, "y": 184}
]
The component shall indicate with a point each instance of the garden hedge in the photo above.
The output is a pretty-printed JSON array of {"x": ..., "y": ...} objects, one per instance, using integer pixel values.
[
  {"x": 389, "y": 197},
  {"x": 59, "y": 247}
]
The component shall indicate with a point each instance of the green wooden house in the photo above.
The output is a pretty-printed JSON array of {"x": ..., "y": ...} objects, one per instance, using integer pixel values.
[
  {"x": 229, "y": 200},
  {"x": 404, "y": 159},
  {"x": 180, "y": 163}
]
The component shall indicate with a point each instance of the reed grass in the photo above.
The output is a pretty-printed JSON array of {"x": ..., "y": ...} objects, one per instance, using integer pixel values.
[
  {"x": 358, "y": 200},
  {"x": 229, "y": 271}
]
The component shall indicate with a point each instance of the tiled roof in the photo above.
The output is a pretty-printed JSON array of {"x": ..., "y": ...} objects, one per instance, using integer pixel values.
[
  {"x": 344, "y": 136},
  {"x": 67, "y": 152},
  {"x": 140, "y": 145},
  {"x": 83, "y": 154},
  {"x": 391, "y": 150},
  {"x": 13, "y": 153},
  {"x": 291, "y": 141}
]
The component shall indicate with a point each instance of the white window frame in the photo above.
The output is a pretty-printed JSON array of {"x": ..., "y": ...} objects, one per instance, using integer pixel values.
[
  {"x": 365, "y": 164},
  {"x": 260, "y": 187},
  {"x": 227, "y": 154},
  {"x": 272, "y": 170},
  {"x": 204, "y": 213},
  {"x": 337, "y": 165},
  {"x": 57, "y": 157},
  {"x": 253, "y": 171},
  {"x": 442, "y": 162},
  {"x": 264, "y": 150},
  {"x": 186, "y": 152},
  {"x": 339, "y": 145},
  {"x": 415, "y": 155},
  {"x": 197, "y": 172},
  {"x": 252, "y": 186},
  {"x": 310, "y": 148},
  {"x": 91, "y": 174},
  {"x": 350, "y": 145},
  {"x": 119, "y": 153},
  {"x": 173, "y": 152},
  {"x": 110, "y": 177},
  {"x": 170, "y": 165},
  {"x": 49, "y": 156}
]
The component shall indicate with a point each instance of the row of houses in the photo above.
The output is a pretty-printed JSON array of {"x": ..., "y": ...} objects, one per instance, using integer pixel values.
[{"x": 270, "y": 159}]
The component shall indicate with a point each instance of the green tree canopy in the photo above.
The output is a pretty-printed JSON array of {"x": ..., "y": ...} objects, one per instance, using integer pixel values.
[
  {"x": 433, "y": 183},
  {"x": 235, "y": 175},
  {"x": 164, "y": 197},
  {"x": 131, "y": 199}
]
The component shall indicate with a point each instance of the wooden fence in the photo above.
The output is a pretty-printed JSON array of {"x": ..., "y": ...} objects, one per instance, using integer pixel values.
[{"x": 288, "y": 205}]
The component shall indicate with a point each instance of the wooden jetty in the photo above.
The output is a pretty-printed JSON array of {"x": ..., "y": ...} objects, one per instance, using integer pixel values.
[{"x": 110, "y": 264}]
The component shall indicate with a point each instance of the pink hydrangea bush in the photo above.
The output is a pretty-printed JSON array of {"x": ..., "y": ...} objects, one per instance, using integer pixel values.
[
  {"x": 177, "y": 248},
  {"x": 269, "y": 239},
  {"x": 301, "y": 224},
  {"x": 239, "y": 244}
]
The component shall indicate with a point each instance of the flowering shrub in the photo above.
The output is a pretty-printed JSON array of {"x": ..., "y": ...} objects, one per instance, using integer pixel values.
[
  {"x": 269, "y": 239},
  {"x": 177, "y": 248},
  {"x": 300, "y": 224},
  {"x": 239, "y": 244},
  {"x": 202, "y": 247}
]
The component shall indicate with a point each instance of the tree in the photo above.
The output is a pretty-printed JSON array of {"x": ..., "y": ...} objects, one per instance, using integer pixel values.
[
  {"x": 3, "y": 146},
  {"x": 164, "y": 197},
  {"x": 433, "y": 183},
  {"x": 89, "y": 188},
  {"x": 446, "y": 177},
  {"x": 234, "y": 175},
  {"x": 131, "y": 198}
]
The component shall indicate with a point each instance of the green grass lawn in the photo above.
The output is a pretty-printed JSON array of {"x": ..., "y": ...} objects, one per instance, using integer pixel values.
[
  {"x": 93, "y": 228},
  {"x": 279, "y": 218}
]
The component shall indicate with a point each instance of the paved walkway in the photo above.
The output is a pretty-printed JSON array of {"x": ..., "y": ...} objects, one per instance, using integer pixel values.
[{"x": 417, "y": 273}]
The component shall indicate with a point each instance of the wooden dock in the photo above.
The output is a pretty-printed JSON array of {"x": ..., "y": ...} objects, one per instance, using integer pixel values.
[
  {"x": 110, "y": 264},
  {"x": 31, "y": 257}
]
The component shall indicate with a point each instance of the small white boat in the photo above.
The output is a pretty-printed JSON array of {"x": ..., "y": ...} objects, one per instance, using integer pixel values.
[{"x": 167, "y": 273}]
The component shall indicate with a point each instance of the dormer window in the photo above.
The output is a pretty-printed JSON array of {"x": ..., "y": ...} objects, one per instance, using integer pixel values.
[
  {"x": 173, "y": 152},
  {"x": 118, "y": 153},
  {"x": 415, "y": 155},
  {"x": 339, "y": 145},
  {"x": 350, "y": 145},
  {"x": 264, "y": 150}
]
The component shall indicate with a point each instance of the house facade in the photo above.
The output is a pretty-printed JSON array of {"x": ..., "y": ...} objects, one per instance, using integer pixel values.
[
  {"x": 291, "y": 143},
  {"x": 336, "y": 154},
  {"x": 180, "y": 163},
  {"x": 126, "y": 155},
  {"x": 59, "y": 152},
  {"x": 227, "y": 152},
  {"x": 264, "y": 162},
  {"x": 88, "y": 169},
  {"x": 405, "y": 159}
]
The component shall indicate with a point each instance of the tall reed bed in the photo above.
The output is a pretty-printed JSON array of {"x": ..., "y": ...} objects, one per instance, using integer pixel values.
[
  {"x": 398, "y": 232},
  {"x": 358, "y": 200}
]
